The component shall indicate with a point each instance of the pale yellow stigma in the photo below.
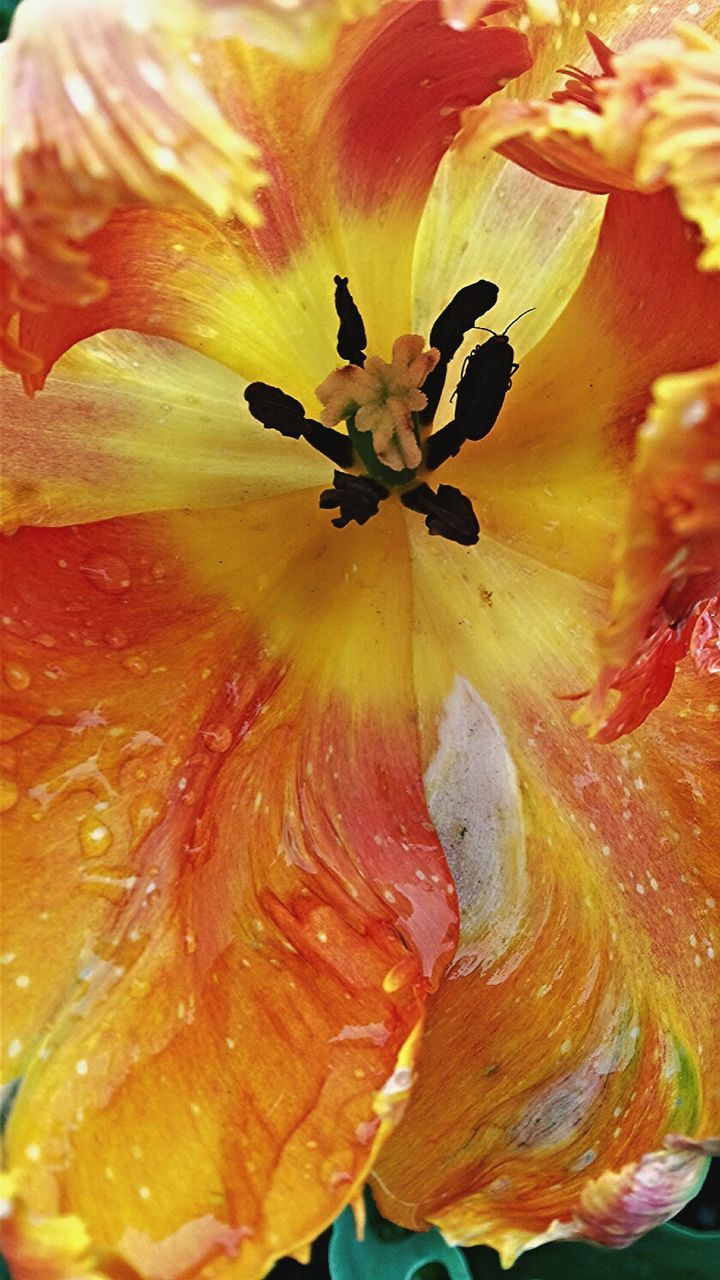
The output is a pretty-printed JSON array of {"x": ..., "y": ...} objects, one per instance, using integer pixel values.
[{"x": 381, "y": 398}]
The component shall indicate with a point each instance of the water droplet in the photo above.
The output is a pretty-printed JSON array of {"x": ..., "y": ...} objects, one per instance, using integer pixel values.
[
  {"x": 8, "y": 794},
  {"x": 116, "y": 638},
  {"x": 400, "y": 975},
  {"x": 146, "y": 811},
  {"x": 95, "y": 837},
  {"x": 104, "y": 883},
  {"x": 158, "y": 571},
  {"x": 218, "y": 738},
  {"x": 17, "y": 676},
  {"x": 108, "y": 573},
  {"x": 136, "y": 664},
  {"x": 337, "y": 1170}
]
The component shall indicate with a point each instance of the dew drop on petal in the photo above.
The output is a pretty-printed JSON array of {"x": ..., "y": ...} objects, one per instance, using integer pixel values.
[
  {"x": 218, "y": 738},
  {"x": 146, "y": 811},
  {"x": 95, "y": 837},
  {"x": 136, "y": 664},
  {"x": 116, "y": 638},
  {"x": 16, "y": 676},
  {"x": 108, "y": 573}
]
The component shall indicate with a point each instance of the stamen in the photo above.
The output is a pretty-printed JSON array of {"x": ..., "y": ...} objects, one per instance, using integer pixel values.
[
  {"x": 275, "y": 409},
  {"x": 351, "y": 340},
  {"x": 448, "y": 513},
  {"x": 278, "y": 411},
  {"x": 358, "y": 498}
]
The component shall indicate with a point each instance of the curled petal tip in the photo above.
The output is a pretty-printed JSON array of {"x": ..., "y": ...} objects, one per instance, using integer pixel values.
[
  {"x": 461, "y": 14},
  {"x": 667, "y": 581},
  {"x": 651, "y": 120}
]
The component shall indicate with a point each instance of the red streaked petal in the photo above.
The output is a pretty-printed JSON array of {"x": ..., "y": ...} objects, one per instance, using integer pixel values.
[
  {"x": 223, "y": 842},
  {"x": 579, "y": 396},
  {"x": 172, "y": 274},
  {"x": 667, "y": 579},
  {"x": 579, "y": 1012}
]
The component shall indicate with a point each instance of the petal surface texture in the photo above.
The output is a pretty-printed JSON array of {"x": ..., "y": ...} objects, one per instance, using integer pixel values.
[
  {"x": 129, "y": 424},
  {"x": 576, "y": 1012},
  {"x": 219, "y": 1027}
]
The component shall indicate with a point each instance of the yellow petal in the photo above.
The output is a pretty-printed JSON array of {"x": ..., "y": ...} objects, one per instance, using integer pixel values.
[{"x": 130, "y": 424}]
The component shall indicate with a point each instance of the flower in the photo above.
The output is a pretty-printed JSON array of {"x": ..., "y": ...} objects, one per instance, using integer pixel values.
[{"x": 316, "y": 877}]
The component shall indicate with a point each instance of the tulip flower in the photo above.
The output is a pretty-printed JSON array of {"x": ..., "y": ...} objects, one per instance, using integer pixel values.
[{"x": 360, "y": 748}]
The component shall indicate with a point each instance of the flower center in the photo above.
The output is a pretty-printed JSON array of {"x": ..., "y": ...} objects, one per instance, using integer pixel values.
[{"x": 389, "y": 410}]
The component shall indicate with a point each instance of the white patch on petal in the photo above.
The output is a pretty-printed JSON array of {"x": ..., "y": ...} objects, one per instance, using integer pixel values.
[{"x": 474, "y": 800}]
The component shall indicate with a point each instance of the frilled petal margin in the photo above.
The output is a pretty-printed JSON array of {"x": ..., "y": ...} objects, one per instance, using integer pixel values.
[
  {"x": 666, "y": 597},
  {"x": 214, "y": 945},
  {"x": 588, "y": 885},
  {"x": 652, "y": 122},
  {"x": 386, "y": 108}
]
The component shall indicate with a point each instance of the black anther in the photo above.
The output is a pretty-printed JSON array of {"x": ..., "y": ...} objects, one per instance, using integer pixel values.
[
  {"x": 448, "y": 513},
  {"x": 358, "y": 498},
  {"x": 351, "y": 339},
  {"x": 274, "y": 409},
  {"x": 281, "y": 412}
]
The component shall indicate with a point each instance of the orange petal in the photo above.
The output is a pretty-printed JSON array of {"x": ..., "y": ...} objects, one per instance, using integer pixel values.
[
  {"x": 616, "y": 1208},
  {"x": 172, "y": 274},
  {"x": 667, "y": 579},
  {"x": 653, "y": 120},
  {"x": 226, "y": 902},
  {"x": 578, "y": 1017}
]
